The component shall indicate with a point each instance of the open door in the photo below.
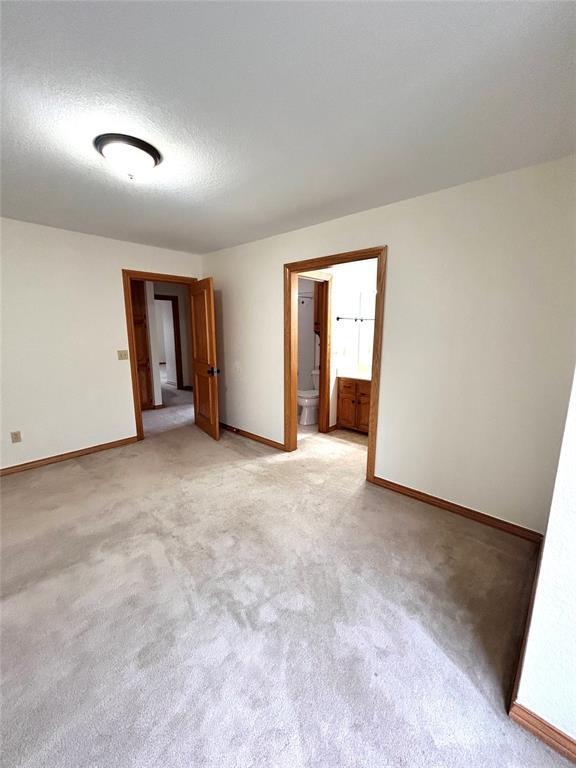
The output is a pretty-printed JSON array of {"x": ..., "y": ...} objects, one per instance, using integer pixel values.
[
  {"x": 142, "y": 344},
  {"x": 204, "y": 357}
]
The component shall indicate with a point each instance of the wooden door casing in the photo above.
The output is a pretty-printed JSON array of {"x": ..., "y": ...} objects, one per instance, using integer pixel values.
[
  {"x": 128, "y": 276},
  {"x": 291, "y": 272},
  {"x": 322, "y": 325}
]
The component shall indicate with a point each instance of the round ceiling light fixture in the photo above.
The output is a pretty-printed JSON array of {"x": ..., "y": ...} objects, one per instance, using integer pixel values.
[{"x": 127, "y": 153}]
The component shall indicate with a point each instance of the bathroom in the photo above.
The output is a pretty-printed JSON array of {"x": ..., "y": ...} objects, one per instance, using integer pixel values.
[{"x": 349, "y": 325}]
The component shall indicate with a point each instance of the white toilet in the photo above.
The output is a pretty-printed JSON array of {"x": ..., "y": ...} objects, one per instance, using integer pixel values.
[{"x": 308, "y": 401}]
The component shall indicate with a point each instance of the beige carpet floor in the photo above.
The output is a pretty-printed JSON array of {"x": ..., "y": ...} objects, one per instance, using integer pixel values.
[
  {"x": 181, "y": 602},
  {"x": 178, "y": 411}
]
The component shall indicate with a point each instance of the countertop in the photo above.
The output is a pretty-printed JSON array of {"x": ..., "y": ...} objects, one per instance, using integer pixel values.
[{"x": 351, "y": 374}]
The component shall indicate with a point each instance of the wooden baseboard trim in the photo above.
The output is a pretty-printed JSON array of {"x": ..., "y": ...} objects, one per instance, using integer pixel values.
[
  {"x": 547, "y": 733},
  {"x": 471, "y": 514},
  {"x": 251, "y": 436},
  {"x": 66, "y": 456}
]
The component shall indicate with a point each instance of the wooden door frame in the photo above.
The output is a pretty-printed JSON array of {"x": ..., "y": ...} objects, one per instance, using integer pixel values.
[
  {"x": 291, "y": 273},
  {"x": 323, "y": 281},
  {"x": 177, "y": 335},
  {"x": 127, "y": 276}
]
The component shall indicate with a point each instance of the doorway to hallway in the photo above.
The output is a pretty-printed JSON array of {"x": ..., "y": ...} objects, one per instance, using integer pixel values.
[
  {"x": 170, "y": 343},
  {"x": 172, "y": 350},
  {"x": 177, "y": 408}
]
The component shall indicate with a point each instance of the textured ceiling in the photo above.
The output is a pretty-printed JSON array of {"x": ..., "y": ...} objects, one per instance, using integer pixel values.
[{"x": 273, "y": 116}]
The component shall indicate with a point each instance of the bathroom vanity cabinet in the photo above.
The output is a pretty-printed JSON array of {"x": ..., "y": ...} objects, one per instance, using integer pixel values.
[{"x": 353, "y": 404}]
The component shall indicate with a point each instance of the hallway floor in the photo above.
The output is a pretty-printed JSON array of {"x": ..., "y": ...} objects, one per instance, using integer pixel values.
[
  {"x": 180, "y": 602},
  {"x": 178, "y": 411}
]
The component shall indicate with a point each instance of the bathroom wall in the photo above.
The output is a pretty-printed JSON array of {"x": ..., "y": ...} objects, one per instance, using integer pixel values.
[
  {"x": 353, "y": 295},
  {"x": 306, "y": 335}
]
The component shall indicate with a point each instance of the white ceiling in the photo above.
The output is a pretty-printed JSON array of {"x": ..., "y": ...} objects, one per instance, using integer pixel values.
[{"x": 273, "y": 115}]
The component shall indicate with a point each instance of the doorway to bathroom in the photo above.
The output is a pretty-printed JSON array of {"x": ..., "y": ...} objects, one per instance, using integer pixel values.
[{"x": 334, "y": 310}]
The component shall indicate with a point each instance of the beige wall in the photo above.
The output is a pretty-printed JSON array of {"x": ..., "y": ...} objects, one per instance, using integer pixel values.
[
  {"x": 152, "y": 313},
  {"x": 478, "y": 342},
  {"x": 548, "y": 682},
  {"x": 63, "y": 321}
]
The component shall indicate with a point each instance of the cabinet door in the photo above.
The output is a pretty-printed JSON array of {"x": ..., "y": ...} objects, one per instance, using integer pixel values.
[
  {"x": 346, "y": 411},
  {"x": 347, "y": 403},
  {"x": 363, "y": 405}
]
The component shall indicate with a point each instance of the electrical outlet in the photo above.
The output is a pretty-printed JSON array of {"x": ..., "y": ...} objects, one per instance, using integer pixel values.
[
  {"x": 122, "y": 354},
  {"x": 16, "y": 437}
]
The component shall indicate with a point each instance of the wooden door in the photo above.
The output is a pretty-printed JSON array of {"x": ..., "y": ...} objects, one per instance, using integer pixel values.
[
  {"x": 363, "y": 405},
  {"x": 142, "y": 343},
  {"x": 204, "y": 357}
]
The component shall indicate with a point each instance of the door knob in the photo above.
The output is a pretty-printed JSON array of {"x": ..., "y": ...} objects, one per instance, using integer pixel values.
[{"x": 213, "y": 371}]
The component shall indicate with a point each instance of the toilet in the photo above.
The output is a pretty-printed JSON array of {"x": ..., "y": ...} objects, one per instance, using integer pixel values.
[{"x": 308, "y": 401}]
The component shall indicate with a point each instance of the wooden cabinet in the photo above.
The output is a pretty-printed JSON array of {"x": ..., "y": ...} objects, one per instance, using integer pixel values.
[{"x": 354, "y": 404}]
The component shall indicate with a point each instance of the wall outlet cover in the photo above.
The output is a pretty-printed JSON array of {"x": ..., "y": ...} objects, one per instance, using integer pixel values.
[
  {"x": 16, "y": 437},
  {"x": 122, "y": 354}
]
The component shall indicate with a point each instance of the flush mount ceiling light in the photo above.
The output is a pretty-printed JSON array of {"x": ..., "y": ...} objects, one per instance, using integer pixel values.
[{"x": 127, "y": 153}]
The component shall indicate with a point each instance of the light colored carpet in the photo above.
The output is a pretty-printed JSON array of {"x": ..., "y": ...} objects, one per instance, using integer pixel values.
[
  {"x": 178, "y": 411},
  {"x": 181, "y": 602}
]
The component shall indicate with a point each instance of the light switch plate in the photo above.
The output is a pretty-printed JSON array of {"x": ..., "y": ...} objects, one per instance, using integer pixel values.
[
  {"x": 16, "y": 437},
  {"x": 122, "y": 354}
]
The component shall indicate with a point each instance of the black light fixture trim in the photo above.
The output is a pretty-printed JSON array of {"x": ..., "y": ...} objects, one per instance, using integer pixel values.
[{"x": 109, "y": 138}]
